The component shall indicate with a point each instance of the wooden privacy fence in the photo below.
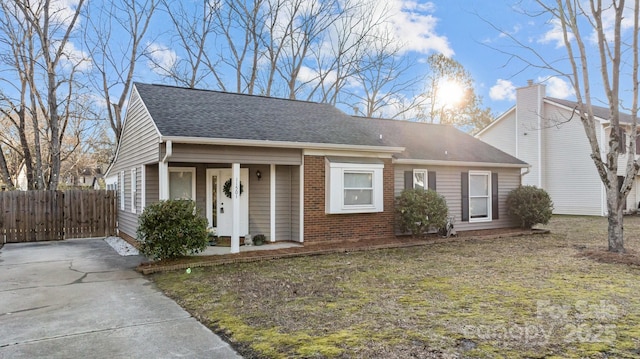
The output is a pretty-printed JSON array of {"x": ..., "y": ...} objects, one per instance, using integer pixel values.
[{"x": 29, "y": 216}]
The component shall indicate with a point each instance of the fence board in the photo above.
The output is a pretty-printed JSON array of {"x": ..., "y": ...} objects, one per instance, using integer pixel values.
[{"x": 28, "y": 216}]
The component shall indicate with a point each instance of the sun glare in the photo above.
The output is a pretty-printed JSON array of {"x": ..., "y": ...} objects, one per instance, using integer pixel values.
[{"x": 450, "y": 93}]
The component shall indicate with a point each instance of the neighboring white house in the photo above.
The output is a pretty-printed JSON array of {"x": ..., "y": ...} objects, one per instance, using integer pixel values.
[{"x": 547, "y": 133}]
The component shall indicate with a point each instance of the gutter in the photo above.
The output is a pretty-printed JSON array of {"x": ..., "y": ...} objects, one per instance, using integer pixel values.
[
  {"x": 169, "y": 151},
  {"x": 276, "y": 144},
  {"x": 460, "y": 163}
]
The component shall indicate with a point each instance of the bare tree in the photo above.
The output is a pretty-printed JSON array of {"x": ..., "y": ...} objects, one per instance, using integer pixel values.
[
  {"x": 580, "y": 23},
  {"x": 466, "y": 110},
  {"x": 115, "y": 39},
  {"x": 378, "y": 74},
  {"x": 342, "y": 48},
  {"x": 52, "y": 31}
]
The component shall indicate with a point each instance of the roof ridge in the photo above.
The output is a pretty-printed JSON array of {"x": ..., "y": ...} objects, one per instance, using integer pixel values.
[
  {"x": 233, "y": 93},
  {"x": 400, "y": 121}
]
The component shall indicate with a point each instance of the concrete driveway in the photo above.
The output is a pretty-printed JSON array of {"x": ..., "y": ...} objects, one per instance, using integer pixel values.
[{"x": 79, "y": 299}]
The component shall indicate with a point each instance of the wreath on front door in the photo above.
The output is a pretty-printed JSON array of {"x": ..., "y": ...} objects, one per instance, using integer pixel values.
[{"x": 227, "y": 188}]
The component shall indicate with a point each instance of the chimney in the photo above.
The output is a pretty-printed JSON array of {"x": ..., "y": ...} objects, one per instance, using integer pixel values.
[{"x": 529, "y": 82}]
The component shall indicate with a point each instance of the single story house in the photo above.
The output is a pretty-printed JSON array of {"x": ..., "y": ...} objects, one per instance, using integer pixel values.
[
  {"x": 547, "y": 133},
  {"x": 297, "y": 170}
]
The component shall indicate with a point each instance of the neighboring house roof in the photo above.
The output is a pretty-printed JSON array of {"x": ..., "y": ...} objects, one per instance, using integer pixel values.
[
  {"x": 189, "y": 113},
  {"x": 598, "y": 111}
]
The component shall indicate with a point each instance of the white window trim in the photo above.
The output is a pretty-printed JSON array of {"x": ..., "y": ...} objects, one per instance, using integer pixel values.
[
  {"x": 121, "y": 190},
  {"x": 334, "y": 187},
  {"x": 134, "y": 190},
  {"x": 347, "y": 207},
  {"x": 193, "y": 179},
  {"x": 488, "y": 218},
  {"x": 426, "y": 177}
]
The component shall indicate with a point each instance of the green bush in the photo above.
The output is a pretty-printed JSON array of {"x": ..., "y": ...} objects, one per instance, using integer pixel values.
[
  {"x": 171, "y": 229},
  {"x": 419, "y": 211},
  {"x": 531, "y": 205}
]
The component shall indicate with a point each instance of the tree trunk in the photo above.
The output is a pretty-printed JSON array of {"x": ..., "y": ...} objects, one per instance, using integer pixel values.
[{"x": 615, "y": 220}]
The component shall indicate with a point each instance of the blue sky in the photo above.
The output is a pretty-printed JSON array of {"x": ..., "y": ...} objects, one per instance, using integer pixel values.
[
  {"x": 467, "y": 30},
  {"x": 462, "y": 29},
  {"x": 476, "y": 45}
]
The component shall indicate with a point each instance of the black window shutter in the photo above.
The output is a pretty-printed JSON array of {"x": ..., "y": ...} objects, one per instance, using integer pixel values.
[
  {"x": 494, "y": 196},
  {"x": 408, "y": 179},
  {"x": 464, "y": 183},
  {"x": 432, "y": 180}
]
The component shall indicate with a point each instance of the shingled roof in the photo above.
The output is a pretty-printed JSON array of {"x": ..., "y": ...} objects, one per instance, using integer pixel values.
[
  {"x": 598, "y": 111},
  {"x": 192, "y": 113},
  {"x": 182, "y": 112},
  {"x": 434, "y": 142}
]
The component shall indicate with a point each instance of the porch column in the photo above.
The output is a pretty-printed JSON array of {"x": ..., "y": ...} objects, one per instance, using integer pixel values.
[
  {"x": 302, "y": 201},
  {"x": 235, "y": 200},
  {"x": 272, "y": 203},
  {"x": 163, "y": 180},
  {"x": 163, "y": 172}
]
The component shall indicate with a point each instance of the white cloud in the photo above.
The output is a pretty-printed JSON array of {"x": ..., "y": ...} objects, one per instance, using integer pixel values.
[
  {"x": 609, "y": 21},
  {"x": 556, "y": 34},
  {"x": 557, "y": 87},
  {"x": 162, "y": 58},
  {"x": 414, "y": 25},
  {"x": 74, "y": 57},
  {"x": 503, "y": 90}
]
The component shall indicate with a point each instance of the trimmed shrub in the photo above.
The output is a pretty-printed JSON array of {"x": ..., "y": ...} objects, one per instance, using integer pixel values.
[
  {"x": 171, "y": 229},
  {"x": 419, "y": 211},
  {"x": 531, "y": 205}
]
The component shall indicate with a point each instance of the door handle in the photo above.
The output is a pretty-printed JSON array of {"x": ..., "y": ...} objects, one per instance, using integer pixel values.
[{"x": 221, "y": 209}]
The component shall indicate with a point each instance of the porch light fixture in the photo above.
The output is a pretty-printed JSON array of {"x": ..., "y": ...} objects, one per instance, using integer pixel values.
[{"x": 259, "y": 175}]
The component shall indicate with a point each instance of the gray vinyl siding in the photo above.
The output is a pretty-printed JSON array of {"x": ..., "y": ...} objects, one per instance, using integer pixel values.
[
  {"x": 502, "y": 135},
  {"x": 571, "y": 178},
  {"x": 138, "y": 145},
  {"x": 152, "y": 187},
  {"x": 231, "y": 154},
  {"x": 259, "y": 202},
  {"x": 283, "y": 203},
  {"x": 448, "y": 185}
]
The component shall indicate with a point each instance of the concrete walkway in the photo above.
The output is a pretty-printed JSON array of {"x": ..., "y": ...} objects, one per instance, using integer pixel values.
[{"x": 79, "y": 299}]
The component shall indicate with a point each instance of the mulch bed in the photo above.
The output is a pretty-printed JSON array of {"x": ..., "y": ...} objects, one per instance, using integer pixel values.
[
  {"x": 327, "y": 247},
  {"x": 602, "y": 255}
]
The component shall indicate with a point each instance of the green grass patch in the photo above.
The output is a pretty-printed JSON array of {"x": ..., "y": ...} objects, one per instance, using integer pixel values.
[{"x": 521, "y": 297}]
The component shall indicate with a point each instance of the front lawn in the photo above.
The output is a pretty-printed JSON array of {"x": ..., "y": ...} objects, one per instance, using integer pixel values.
[{"x": 522, "y": 297}]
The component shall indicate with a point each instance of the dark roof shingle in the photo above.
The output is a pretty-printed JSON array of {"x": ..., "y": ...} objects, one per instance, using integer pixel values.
[
  {"x": 182, "y": 112},
  {"x": 598, "y": 111}
]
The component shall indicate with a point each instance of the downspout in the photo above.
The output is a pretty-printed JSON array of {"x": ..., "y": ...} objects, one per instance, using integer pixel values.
[
  {"x": 168, "y": 151},
  {"x": 525, "y": 173},
  {"x": 164, "y": 172}
]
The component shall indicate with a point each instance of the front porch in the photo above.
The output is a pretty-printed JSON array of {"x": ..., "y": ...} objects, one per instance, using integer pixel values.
[
  {"x": 240, "y": 191},
  {"x": 271, "y": 246}
]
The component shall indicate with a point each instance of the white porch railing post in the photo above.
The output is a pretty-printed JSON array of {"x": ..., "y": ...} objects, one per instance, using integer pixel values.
[
  {"x": 235, "y": 199},
  {"x": 272, "y": 203},
  {"x": 163, "y": 181}
]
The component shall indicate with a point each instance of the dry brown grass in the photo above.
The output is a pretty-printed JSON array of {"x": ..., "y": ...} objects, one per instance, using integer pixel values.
[{"x": 522, "y": 297}]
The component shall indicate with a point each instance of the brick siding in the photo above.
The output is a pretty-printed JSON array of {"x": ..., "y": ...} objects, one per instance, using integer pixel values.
[{"x": 319, "y": 226}]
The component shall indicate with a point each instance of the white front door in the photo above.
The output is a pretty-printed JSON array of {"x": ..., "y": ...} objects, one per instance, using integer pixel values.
[{"x": 220, "y": 207}]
